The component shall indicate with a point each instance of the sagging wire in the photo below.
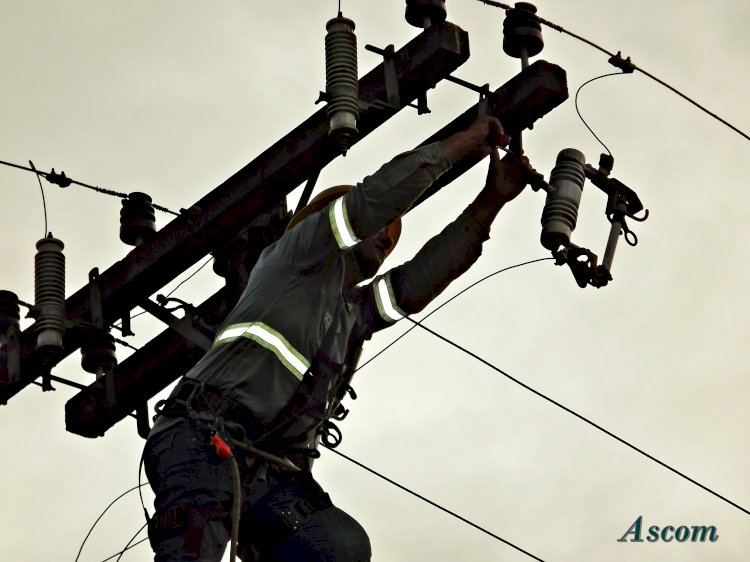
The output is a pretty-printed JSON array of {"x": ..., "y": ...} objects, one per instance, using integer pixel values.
[
  {"x": 626, "y": 65},
  {"x": 44, "y": 201},
  {"x": 580, "y": 416},
  {"x": 64, "y": 181},
  {"x": 578, "y": 111},
  {"x": 138, "y": 487},
  {"x": 433, "y": 504}
]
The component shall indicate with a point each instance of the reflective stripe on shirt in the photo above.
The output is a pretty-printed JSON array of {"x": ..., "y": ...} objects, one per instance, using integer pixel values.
[
  {"x": 386, "y": 299},
  {"x": 340, "y": 225},
  {"x": 269, "y": 338}
]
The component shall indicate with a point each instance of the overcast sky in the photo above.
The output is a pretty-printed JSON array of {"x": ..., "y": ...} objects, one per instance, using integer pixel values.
[{"x": 172, "y": 97}]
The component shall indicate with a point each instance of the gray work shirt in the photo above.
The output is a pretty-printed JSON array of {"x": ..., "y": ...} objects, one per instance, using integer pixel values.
[{"x": 294, "y": 294}]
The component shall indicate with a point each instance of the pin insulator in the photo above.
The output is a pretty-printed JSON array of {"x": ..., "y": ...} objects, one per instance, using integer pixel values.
[
  {"x": 49, "y": 292},
  {"x": 98, "y": 352},
  {"x": 10, "y": 312},
  {"x": 137, "y": 219},
  {"x": 424, "y": 13},
  {"x": 522, "y": 30},
  {"x": 342, "y": 82},
  {"x": 10, "y": 355}
]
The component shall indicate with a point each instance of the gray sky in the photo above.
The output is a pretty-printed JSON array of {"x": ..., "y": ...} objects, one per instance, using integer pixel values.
[{"x": 173, "y": 97}]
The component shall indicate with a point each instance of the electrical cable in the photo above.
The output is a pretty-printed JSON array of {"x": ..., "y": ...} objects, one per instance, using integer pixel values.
[
  {"x": 128, "y": 546},
  {"x": 188, "y": 278},
  {"x": 616, "y": 60},
  {"x": 580, "y": 417},
  {"x": 433, "y": 504},
  {"x": 462, "y": 291},
  {"x": 44, "y": 201},
  {"x": 578, "y": 111},
  {"x": 102, "y": 515},
  {"x": 63, "y": 181},
  {"x": 131, "y": 546},
  {"x": 236, "y": 508}
]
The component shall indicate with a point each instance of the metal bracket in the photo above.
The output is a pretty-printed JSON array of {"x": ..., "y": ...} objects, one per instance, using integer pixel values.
[
  {"x": 392, "y": 93},
  {"x": 95, "y": 299},
  {"x": 182, "y": 326}
]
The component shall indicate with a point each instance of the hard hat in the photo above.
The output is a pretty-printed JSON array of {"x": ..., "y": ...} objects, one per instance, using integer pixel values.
[{"x": 331, "y": 194}]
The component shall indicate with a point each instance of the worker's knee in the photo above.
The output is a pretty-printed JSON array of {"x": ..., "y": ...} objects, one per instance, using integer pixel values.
[{"x": 328, "y": 535}]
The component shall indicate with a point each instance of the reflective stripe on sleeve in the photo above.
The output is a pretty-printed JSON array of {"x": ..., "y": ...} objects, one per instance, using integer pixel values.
[
  {"x": 386, "y": 300},
  {"x": 342, "y": 229},
  {"x": 269, "y": 338}
]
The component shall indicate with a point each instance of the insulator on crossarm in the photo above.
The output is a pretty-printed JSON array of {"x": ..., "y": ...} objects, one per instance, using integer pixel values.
[
  {"x": 137, "y": 219},
  {"x": 563, "y": 199},
  {"x": 98, "y": 353},
  {"x": 425, "y": 13},
  {"x": 342, "y": 82},
  {"x": 49, "y": 293},
  {"x": 10, "y": 353},
  {"x": 522, "y": 32}
]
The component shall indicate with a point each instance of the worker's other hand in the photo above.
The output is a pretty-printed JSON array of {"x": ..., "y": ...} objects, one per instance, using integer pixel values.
[
  {"x": 480, "y": 139},
  {"x": 507, "y": 177},
  {"x": 487, "y": 132}
]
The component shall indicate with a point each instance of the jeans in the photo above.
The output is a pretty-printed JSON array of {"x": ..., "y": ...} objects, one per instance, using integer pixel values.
[{"x": 285, "y": 516}]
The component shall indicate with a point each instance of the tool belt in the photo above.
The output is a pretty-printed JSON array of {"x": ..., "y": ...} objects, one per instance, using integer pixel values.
[{"x": 193, "y": 397}]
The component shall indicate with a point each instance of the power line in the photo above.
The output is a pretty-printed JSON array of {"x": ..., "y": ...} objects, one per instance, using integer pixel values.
[
  {"x": 461, "y": 292},
  {"x": 626, "y": 65},
  {"x": 433, "y": 504},
  {"x": 63, "y": 181},
  {"x": 581, "y": 417}
]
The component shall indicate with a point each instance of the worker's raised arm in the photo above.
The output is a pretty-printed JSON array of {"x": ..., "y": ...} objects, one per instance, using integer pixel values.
[
  {"x": 382, "y": 197},
  {"x": 408, "y": 288},
  {"x": 387, "y": 194}
]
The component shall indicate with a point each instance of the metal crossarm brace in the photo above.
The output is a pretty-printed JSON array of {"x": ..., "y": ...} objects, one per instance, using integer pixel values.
[
  {"x": 219, "y": 216},
  {"x": 521, "y": 101},
  {"x": 182, "y": 326},
  {"x": 524, "y": 99}
]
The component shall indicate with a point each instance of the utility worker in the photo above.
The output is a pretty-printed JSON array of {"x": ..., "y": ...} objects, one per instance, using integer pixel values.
[{"x": 283, "y": 359}]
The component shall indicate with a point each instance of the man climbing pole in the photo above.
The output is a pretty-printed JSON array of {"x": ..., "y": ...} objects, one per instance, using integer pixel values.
[{"x": 284, "y": 357}]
